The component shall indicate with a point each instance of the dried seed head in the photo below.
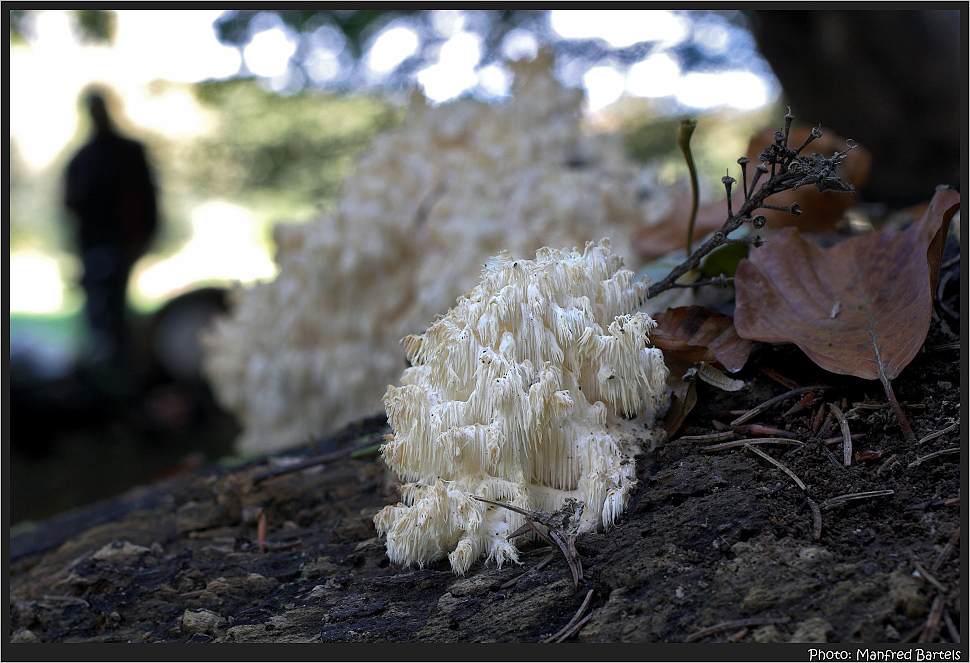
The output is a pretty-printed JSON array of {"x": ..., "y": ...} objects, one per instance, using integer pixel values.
[
  {"x": 795, "y": 209},
  {"x": 759, "y": 221}
]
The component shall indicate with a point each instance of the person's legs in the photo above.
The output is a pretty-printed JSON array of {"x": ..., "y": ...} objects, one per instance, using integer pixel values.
[{"x": 105, "y": 282}]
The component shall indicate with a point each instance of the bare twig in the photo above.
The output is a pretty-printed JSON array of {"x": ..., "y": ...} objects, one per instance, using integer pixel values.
[
  {"x": 951, "y": 627},
  {"x": 58, "y": 598},
  {"x": 788, "y": 170},
  {"x": 562, "y": 526},
  {"x": 932, "y": 627},
  {"x": 747, "y": 441},
  {"x": 514, "y": 581},
  {"x": 318, "y": 460},
  {"x": 914, "y": 633},
  {"x": 721, "y": 280},
  {"x": 846, "y": 435},
  {"x": 580, "y": 624},
  {"x": 816, "y": 519},
  {"x": 755, "y": 411},
  {"x": 261, "y": 530},
  {"x": 897, "y": 408},
  {"x": 922, "y": 459},
  {"x": 945, "y": 346},
  {"x": 939, "y": 433},
  {"x": 545, "y": 561},
  {"x": 928, "y": 577},
  {"x": 733, "y": 624},
  {"x": 947, "y": 549},
  {"x": 567, "y": 630},
  {"x": 892, "y": 460},
  {"x": 708, "y": 437},
  {"x": 850, "y": 497},
  {"x": 760, "y": 429},
  {"x": 787, "y": 383},
  {"x": 838, "y": 440},
  {"x": 806, "y": 401},
  {"x": 683, "y": 140},
  {"x": 777, "y": 464}
]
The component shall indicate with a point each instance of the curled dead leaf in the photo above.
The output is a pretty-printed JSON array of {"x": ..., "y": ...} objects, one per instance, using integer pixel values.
[
  {"x": 860, "y": 308},
  {"x": 696, "y": 333}
]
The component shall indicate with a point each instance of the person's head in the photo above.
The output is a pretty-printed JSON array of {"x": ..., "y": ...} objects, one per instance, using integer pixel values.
[{"x": 98, "y": 110}]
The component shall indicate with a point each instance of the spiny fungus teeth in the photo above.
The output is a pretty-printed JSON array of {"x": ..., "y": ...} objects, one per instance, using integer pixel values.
[{"x": 518, "y": 394}]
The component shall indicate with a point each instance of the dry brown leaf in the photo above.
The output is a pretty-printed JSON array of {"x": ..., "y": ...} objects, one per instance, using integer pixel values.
[
  {"x": 696, "y": 333},
  {"x": 861, "y": 308},
  {"x": 820, "y": 211}
]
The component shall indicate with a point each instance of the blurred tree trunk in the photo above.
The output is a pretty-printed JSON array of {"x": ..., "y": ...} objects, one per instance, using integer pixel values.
[{"x": 890, "y": 80}]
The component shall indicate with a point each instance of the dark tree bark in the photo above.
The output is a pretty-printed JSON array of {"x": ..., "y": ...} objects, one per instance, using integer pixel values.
[{"x": 890, "y": 80}]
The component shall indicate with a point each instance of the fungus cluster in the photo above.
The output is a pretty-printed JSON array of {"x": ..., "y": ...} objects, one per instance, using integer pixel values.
[
  {"x": 523, "y": 392},
  {"x": 430, "y": 202}
]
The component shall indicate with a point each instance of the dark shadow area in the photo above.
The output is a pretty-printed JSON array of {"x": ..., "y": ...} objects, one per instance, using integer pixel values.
[{"x": 80, "y": 437}]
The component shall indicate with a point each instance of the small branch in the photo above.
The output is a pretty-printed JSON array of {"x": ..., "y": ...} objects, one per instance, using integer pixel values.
[
  {"x": 932, "y": 626},
  {"x": 816, "y": 519},
  {"x": 721, "y": 280},
  {"x": 892, "y": 460},
  {"x": 846, "y": 435},
  {"x": 567, "y": 630},
  {"x": 359, "y": 450},
  {"x": 789, "y": 170},
  {"x": 777, "y": 464},
  {"x": 887, "y": 385},
  {"x": 844, "y": 499},
  {"x": 760, "y": 429},
  {"x": 557, "y": 523},
  {"x": 752, "y": 440},
  {"x": 939, "y": 433},
  {"x": 918, "y": 461},
  {"x": 947, "y": 549},
  {"x": 709, "y": 437},
  {"x": 951, "y": 628},
  {"x": 787, "y": 383},
  {"x": 683, "y": 139},
  {"x": 752, "y": 413},
  {"x": 733, "y": 624},
  {"x": 804, "y": 402},
  {"x": 928, "y": 577}
]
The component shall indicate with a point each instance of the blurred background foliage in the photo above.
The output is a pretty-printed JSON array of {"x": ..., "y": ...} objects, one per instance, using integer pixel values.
[
  {"x": 286, "y": 153},
  {"x": 278, "y": 146}
]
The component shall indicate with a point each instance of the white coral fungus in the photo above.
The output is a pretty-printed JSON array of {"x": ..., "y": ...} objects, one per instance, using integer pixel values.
[
  {"x": 514, "y": 395},
  {"x": 431, "y": 201}
]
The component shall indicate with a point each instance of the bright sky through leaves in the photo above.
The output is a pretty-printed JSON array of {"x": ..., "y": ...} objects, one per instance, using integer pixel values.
[{"x": 44, "y": 120}]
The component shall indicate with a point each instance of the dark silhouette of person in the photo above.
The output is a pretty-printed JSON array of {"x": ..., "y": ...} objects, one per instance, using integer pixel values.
[{"x": 110, "y": 188}]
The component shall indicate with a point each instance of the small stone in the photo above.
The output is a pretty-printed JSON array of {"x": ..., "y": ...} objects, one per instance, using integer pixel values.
[
  {"x": 23, "y": 635},
  {"x": 814, "y": 629},
  {"x": 767, "y": 633},
  {"x": 201, "y": 621},
  {"x": 120, "y": 552}
]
